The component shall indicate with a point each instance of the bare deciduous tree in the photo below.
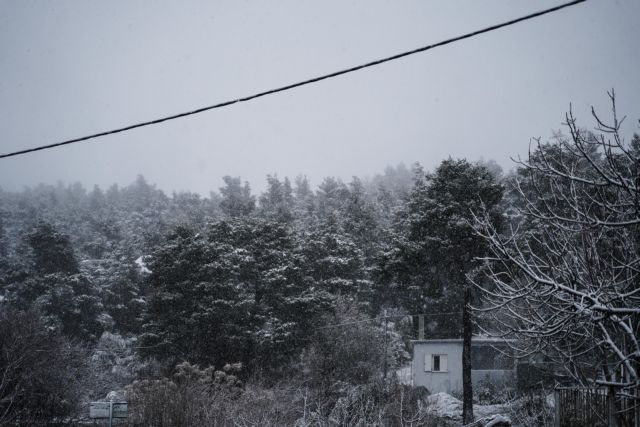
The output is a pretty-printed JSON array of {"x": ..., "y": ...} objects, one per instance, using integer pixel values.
[
  {"x": 40, "y": 371},
  {"x": 566, "y": 280}
]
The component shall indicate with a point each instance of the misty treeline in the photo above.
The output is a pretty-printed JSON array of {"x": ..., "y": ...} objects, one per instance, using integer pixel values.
[
  {"x": 285, "y": 285},
  {"x": 269, "y": 309}
]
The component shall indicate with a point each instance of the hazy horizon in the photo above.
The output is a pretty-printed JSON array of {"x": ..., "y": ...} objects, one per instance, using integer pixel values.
[{"x": 75, "y": 68}]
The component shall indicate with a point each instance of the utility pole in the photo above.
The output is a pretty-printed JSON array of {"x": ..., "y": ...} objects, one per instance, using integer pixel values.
[
  {"x": 467, "y": 391},
  {"x": 385, "y": 343}
]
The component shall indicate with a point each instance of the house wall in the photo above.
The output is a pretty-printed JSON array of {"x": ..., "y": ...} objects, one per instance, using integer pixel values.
[
  {"x": 438, "y": 381},
  {"x": 498, "y": 377},
  {"x": 451, "y": 380}
]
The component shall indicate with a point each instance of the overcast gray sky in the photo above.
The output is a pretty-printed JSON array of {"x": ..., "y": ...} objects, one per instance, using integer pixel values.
[{"x": 69, "y": 68}]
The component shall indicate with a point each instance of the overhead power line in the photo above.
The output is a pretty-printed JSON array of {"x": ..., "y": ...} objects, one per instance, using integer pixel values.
[
  {"x": 394, "y": 316},
  {"x": 298, "y": 84}
]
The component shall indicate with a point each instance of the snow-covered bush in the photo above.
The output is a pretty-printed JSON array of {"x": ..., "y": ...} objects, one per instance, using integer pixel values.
[
  {"x": 350, "y": 350},
  {"x": 486, "y": 392},
  {"x": 191, "y": 397},
  {"x": 114, "y": 364},
  {"x": 532, "y": 410},
  {"x": 381, "y": 403}
]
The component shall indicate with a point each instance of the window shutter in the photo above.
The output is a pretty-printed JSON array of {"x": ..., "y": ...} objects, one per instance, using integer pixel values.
[
  {"x": 443, "y": 362},
  {"x": 427, "y": 363}
]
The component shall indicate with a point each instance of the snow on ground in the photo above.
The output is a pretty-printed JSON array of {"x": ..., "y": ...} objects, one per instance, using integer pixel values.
[
  {"x": 444, "y": 405},
  {"x": 482, "y": 411}
]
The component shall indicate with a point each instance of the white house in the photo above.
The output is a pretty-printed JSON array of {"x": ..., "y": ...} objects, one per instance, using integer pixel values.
[{"x": 437, "y": 363}]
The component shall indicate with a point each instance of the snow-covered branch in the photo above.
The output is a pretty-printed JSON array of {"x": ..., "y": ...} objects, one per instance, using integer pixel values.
[{"x": 566, "y": 279}]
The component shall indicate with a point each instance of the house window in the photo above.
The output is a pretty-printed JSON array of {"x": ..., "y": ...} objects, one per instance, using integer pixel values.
[{"x": 435, "y": 363}]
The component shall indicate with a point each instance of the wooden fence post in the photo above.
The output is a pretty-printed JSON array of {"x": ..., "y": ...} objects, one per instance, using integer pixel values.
[
  {"x": 611, "y": 409},
  {"x": 556, "y": 397}
]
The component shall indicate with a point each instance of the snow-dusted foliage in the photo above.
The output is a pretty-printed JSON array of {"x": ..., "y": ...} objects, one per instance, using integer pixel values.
[
  {"x": 190, "y": 397},
  {"x": 53, "y": 283},
  {"x": 341, "y": 354},
  {"x": 133, "y": 274},
  {"x": 237, "y": 294},
  {"x": 433, "y": 245},
  {"x": 114, "y": 363}
]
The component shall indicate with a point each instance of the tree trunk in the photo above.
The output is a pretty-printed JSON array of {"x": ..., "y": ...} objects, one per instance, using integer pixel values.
[{"x": 467, "y": 390}]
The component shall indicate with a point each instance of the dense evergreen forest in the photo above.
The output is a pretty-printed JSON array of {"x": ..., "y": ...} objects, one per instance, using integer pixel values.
[
  {"x": 294, "y": 306},
  {"x": 136, "y": 281}
]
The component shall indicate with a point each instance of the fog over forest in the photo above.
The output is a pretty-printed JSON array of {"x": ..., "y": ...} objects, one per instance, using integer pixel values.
[
  {"x": 78, "y": 68},
  {"x": 445, "y": 237},
  {"x": 303, "y": 304}
]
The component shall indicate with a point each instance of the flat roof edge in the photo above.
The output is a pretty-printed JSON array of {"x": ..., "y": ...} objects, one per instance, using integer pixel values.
[{"x": 459, "y": 340}]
